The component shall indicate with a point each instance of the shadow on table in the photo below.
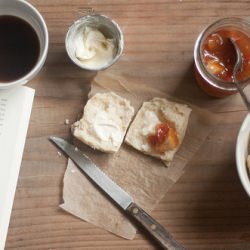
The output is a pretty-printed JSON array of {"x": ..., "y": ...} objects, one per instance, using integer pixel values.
[
  {"x": 61, "y": 78},
  {"x": 188, "y": 90},
  {"x": 221, "y": 215}
]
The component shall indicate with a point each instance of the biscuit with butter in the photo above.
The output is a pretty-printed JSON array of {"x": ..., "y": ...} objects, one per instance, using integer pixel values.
[
  {"x": 159, "y": 128},
  {"x": 105, "y": 120}
]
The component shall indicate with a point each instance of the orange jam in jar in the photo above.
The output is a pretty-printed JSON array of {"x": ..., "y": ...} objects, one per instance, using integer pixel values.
[{"x": 215, "y": 56}]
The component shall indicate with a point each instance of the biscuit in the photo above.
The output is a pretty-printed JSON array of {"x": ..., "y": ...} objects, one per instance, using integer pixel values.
[
  {"x": 105, "y": 120},
  {"x": 159, "y": 128}
]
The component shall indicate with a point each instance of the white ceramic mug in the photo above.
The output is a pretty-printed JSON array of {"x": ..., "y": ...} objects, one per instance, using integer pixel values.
[{"x": 31, "y": 15}]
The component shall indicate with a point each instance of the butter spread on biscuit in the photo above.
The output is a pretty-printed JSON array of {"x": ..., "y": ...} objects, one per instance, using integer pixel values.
[
  {"x": 149, "y": 127},
  {"x": 106, "y": 129}
]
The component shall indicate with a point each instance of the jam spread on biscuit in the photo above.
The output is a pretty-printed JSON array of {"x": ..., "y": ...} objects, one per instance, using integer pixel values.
[{"x": 165, "y": 137}]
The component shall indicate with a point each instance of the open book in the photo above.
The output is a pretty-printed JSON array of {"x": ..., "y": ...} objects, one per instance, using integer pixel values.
[{"x": 15, "y": 110}]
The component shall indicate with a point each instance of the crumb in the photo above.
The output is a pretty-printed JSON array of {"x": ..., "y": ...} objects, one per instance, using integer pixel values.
[
  {"x": 66, "y": 122},
  {"x": 76, "y": 149},
  {"x": 59, "y": 154}
]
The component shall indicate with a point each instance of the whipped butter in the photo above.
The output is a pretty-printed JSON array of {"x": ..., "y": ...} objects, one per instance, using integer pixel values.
[{"x": 92, "y": 48}]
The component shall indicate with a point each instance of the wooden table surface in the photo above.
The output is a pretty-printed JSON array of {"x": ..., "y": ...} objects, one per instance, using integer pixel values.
[{"x": 207, "y": 208}]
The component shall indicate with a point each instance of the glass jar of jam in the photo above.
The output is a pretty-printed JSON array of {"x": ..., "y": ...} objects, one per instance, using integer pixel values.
[{"x": 215, "y": 56}]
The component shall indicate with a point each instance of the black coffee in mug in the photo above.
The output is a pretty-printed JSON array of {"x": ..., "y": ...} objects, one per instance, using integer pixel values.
[{"x": 19, "y": 48}]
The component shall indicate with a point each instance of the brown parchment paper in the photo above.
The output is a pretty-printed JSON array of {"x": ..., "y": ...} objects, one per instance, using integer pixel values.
[{"x": 145, "y": 178}]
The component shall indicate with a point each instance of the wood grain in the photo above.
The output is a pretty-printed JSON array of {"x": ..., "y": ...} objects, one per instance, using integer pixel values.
[{"x": 207, "y": 208}]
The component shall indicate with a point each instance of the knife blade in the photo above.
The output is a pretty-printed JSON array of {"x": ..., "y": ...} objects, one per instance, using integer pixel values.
[{"x": 117, "y": 194}]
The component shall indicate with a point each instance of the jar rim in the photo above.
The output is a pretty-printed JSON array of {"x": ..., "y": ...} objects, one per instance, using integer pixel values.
[{"x": 220, "y": 23}]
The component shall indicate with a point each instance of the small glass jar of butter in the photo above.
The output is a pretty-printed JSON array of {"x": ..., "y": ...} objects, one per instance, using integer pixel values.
[{"x": 94, "y": 42}]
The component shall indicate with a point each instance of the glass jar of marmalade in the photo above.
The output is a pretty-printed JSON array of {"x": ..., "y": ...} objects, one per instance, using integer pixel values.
[{"x": 215, "y": 56}]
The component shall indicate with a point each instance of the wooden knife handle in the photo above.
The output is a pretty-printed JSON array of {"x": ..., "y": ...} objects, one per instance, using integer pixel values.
[{"x": 154, "y": 228}]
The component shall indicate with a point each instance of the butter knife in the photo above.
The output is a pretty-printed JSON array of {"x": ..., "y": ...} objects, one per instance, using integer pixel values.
[{"x": 118, "y": 195}]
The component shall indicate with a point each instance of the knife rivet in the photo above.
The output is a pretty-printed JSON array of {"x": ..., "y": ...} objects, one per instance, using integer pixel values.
[
  {"x": 153, "y": 226},
  {"x": 135, "y": 210}
]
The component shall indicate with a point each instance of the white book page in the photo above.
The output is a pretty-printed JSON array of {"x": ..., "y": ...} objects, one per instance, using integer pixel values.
[{"x": 15, "y": 110}]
